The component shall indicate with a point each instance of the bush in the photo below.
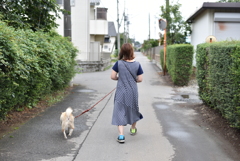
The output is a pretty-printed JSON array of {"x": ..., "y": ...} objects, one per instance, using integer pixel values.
[
  {"x": 179, "y": 63},
  {"x": 202, "y": 72},
  {"x": 218, "y": 75},
  {"x": 32, "y": 64}
]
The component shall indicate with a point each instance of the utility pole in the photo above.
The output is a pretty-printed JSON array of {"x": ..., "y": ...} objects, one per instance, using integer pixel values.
[
  {"x": 67, "y": 20},
  {"x": 124, "y": 30},
  {"x": 149, "y": 26},
  {"x": 163, "y": 26},
  {"x": 124, "y": 23},
  {"x": 168, "y": 19},
  {"x": 128, "y": 30},
  {"x": 118, "y": 36}
]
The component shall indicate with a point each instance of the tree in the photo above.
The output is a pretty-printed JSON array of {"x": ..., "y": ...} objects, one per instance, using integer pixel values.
[
  {"x": 177, "y": 28},
  {"x": 34, "y": 14},
  {"x": 137, "y": 43},
  {"x": 147, "y": 44}
]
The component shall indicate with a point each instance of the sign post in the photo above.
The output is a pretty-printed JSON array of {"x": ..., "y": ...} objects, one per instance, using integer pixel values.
[{"x": 162, "y": 26}]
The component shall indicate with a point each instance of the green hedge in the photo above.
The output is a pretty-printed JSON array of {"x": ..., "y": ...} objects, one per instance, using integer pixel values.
[
  {"x": 179, "y": 63},
  {"x": 32, "y": 64},
  {"x": 218, "y": 75},
  {"x": 202, "y": 64}
]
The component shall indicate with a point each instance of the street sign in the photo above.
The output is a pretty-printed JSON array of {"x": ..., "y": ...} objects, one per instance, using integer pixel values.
[{"x": 162, "y": 24}]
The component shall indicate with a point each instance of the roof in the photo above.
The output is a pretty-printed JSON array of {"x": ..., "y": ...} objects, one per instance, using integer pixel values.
[
  {"x": 218, "y": 5},
  {"x": 111, "y": 29}
]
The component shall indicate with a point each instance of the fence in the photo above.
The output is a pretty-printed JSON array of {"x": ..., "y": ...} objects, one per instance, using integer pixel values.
[{"x": 154, "y": 55}]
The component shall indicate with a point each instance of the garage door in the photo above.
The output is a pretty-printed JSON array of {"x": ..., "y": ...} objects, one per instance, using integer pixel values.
[{"x": 227, "y": 26}]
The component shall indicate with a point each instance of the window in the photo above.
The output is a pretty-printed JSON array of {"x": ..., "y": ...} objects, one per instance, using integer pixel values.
[
  {"x": 102, "y": 13},
  {"x": 72, "y": 3}
]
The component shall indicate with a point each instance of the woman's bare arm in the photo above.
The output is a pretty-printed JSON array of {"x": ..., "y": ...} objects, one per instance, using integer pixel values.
[
  {"x": 139, "y": 78},
  {"x": 114, "y": 75}
]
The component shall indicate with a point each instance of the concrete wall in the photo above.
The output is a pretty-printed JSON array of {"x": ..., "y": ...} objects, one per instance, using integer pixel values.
[
  {"x": 154, "y": 55},
  {"x": 99, "y": 38},
  {"x": 80, "y": 28},
  {"x": 92, "y": 13},
  {"x": 93, "y": 66}
]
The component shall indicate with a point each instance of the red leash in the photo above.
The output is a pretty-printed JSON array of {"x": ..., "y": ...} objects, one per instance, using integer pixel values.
[{"x": 95, "y": 104}]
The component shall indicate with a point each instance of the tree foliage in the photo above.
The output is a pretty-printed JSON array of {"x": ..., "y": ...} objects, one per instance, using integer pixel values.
[
  {"x": 32, "y": 64},
  {"x": 147, "y": 44},
  {"x": 33, "y": 14},
  {"x": 177, "y": 28}
]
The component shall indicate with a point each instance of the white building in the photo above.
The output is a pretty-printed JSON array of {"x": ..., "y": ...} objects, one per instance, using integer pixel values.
[
  {"x": 88, "y": 27},
  {"x": 221, "y": 20},
  {"x": 109, "y": 41}
]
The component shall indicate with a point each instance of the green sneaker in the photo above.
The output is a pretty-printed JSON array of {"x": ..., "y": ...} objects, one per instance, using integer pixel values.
[{"x": 133, "y": 131}]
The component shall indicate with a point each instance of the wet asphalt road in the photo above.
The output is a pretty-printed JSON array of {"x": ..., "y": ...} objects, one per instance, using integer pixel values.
[{"x": 167, "y": 132}]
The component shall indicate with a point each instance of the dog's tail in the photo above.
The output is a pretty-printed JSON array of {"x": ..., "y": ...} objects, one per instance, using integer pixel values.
[{"x": 69, "y": 111}]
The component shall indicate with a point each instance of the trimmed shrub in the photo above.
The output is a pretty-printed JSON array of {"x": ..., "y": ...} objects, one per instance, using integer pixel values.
[
  {"x": 32, "y": 64},
  {"x": 179, "y": 63},
  {"x": 202, "y": 59},
  {"x": 218, "y": 75}
]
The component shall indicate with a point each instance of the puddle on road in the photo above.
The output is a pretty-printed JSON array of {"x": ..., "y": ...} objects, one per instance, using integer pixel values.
[
  {"x": 162, "y": 107},
  {"x": 185, "y": 96},
  {"x": 179, "y": 134},
  {"x": 85, "y": 91}
]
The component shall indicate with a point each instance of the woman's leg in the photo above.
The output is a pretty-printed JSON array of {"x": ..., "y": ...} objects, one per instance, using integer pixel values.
[
  {"x": 134, "y": 125},
  {"x": 120, "y": 130}
]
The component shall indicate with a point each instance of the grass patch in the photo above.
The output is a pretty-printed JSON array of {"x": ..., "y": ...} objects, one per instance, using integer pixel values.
[{"x": 56, "y": 97}]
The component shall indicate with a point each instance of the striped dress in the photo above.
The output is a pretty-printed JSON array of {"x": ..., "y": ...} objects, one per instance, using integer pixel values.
[{"x": 126, "y": 109}]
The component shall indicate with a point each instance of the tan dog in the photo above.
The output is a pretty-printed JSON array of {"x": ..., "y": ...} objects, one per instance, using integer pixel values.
[{"x": 67, "y": 120}]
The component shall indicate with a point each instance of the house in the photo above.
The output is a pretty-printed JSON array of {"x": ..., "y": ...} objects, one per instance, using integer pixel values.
[
  {"x": 109, "y": 41},
  {"x": 217, "y": 20},
  {"x": 88, "y": 26}
]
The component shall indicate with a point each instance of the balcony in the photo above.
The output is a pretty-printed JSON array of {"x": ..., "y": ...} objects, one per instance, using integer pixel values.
[{"x": 98, "y": 27}]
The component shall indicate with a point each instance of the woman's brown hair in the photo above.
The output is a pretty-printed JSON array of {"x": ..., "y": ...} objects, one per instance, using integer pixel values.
[{"x": 126, "y": 52}]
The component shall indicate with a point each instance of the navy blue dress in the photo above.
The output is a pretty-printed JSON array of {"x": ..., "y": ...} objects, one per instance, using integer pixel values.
[{"x": 126, "y": 109}]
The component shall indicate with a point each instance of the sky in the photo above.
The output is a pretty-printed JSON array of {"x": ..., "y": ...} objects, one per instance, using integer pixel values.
[{"x": 139, "y": 11}]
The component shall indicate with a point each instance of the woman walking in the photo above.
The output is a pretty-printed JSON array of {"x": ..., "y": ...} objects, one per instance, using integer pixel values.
[{"x": 128, "y": 73}]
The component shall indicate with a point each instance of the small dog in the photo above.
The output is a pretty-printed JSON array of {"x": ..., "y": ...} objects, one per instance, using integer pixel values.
[{"x": 67, "y": 121}]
